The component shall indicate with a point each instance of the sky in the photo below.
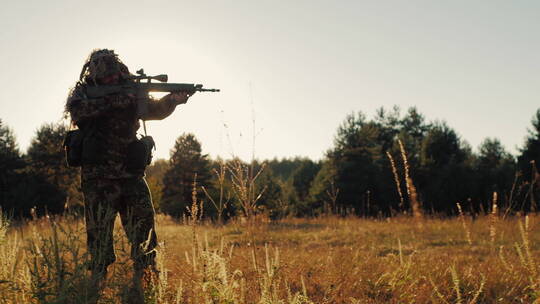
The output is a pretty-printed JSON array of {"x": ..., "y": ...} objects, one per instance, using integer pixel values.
[{"x": 289, "y": 71}]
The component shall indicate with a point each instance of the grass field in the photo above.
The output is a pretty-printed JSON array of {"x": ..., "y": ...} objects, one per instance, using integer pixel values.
[{"x": 322, "y": 260}]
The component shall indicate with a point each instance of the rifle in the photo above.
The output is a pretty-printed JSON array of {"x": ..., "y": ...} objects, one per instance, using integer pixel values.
[{"x": 141, "y": 89}]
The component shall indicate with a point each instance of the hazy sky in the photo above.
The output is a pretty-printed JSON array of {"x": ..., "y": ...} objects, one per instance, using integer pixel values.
[{"x": 294, "y": 68}]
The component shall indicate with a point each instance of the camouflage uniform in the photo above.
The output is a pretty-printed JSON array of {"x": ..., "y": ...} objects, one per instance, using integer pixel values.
[
  {"x": 109, "y": 125},
  {"x": 130, "y": 197}
]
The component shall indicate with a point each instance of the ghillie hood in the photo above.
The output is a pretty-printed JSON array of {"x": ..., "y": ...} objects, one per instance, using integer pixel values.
[
  {"x": 102, "y": 63},
  {"x": 99, "y": 64}
]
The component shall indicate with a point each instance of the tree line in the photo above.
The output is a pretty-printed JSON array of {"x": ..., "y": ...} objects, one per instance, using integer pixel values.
[{"x": 377, "y": 167}]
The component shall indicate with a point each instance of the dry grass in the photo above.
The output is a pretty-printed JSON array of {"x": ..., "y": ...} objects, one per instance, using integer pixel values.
[{"x": 324, "y": 260}]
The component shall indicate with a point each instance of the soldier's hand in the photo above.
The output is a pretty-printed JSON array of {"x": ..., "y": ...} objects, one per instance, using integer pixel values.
[{"x": 179, "y": 97}]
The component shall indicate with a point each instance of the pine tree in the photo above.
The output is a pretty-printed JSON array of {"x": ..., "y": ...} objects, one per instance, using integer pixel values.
[
  {"x": 529, "y": 164},
  {"x": 322, "y": 193},
  {"x": 10, "y": 162},
  {"x": 46, "y": 161},
  {"x": 495, "y": 171},
  {"x": 271, "y": 199},
  {"x": 302, "y": 178},
  {"x": 446, "y": 170},
  {"x": 185, "y": 162},
  {"x": 154, "y": 177}
]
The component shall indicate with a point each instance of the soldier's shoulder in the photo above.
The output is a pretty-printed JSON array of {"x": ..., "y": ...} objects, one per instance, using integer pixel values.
[{"x": 78, "y": 92}]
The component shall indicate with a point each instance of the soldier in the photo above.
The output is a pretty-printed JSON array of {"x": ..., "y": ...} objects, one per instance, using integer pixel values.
[{"x": 110, "y": 185}]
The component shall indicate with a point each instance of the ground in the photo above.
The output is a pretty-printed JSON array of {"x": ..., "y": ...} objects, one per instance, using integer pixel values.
[{"x": 322, "y": 260}]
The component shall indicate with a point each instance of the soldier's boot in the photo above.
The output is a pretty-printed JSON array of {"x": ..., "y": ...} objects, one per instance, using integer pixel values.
[
  {"x": 134, "y": 294},
  {"x": 142, "y": 284},
  {"x": 96, "y": 284}
]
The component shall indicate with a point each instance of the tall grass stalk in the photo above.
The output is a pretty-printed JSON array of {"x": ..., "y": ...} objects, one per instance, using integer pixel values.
[
  {"x": 456, "y": 283},
  {"x": 533, "y": 184},
  {"x": 411, "y": 189},
  {"x": 527, "y": 256},
  {"x": 396, "y": 180},
  {"x": 222, "y": 203},
  {"x": 243, "y": 179},
  {"x": 493, "y": 219},
  {"x": 332, "y": 194},
  {"x": 464, "y": 224}
]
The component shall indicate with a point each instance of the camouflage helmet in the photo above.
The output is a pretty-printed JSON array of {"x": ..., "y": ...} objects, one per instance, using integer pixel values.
[{"x": 102, "y": 63}]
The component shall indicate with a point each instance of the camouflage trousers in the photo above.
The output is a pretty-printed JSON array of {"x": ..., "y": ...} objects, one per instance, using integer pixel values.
[{"x": 129, "y": 197}]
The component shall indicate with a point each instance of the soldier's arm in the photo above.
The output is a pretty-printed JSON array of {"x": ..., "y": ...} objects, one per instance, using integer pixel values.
[
  {"x": 83, "y": 108},
  {"x": 160, "y": 109}
]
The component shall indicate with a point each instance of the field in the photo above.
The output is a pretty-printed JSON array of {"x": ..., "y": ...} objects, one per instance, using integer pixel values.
[{"x": 323, "y": 260}]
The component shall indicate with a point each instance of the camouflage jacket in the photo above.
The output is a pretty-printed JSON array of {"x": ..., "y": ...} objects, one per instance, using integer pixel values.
[{"x": 111, "y": 122}]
